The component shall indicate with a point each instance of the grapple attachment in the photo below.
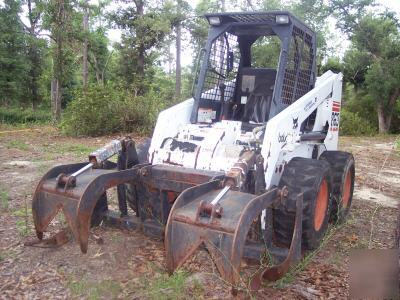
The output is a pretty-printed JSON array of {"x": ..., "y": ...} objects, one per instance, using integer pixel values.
[
  {"x": 81, "y": 204},
  {"x": 79, "y": 189},
  {"x": 225, "y": 234}
]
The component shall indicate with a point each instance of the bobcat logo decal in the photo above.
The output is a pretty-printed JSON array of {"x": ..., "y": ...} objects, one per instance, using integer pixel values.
[{"x": 295, "y": 124}]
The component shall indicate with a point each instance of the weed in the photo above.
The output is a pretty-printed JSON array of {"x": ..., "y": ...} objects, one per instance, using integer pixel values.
[
  {"x": 22, "y": 227},
  {"x": 77, "y": 288},
  {"x": 4, "y": 197},
  {"x": 397, "y": 144},
  {"x": 108, "y": 289},
  {"x": 43, "y": 167},
  {"x": 17, "y": 144},
  {"x": 22, "y": 212},
  {"x": 22, "y": 222},
  {"x": 167, "y": 287},
  {"x": 289, "y": 276},
  {"x": 77, "y": 150},
  {"x": 24, "y": 116},
  {"x": 10, "y": 253}
]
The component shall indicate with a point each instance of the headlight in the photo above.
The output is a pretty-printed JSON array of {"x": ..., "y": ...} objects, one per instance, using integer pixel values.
[
  {"x": 282, "y": 19},
  {"x": 214, "y": 21}
]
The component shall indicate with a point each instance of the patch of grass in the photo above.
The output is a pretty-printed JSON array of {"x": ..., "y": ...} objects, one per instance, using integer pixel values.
[
  {"x": 166, "y": 287},
  {"x": 43, "y": 168},
  {"x": 290, "y": 276},
  {"x": 22, "y": 222},
  {"x": 22, "y": 212},
  {"x": 78, "y": 150},
  {"x": 105, "y": 289},
  {"x": 10, "y": 253},
  {"x": 17, "y": 144},
  {"x": 21, "y": 115},
  {"x": 4, "y": 199},
  {"x": 22, "y": 227},
  {"x": 2, "y": 256}
]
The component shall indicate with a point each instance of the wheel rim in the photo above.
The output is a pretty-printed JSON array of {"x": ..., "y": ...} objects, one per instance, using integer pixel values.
[
  {"x": 346, "y": 190},
  {"x": 321, "y": 205}
]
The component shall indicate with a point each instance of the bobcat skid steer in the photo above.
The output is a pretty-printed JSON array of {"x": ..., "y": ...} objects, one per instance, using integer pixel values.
[{"x": 247, "y": 168}]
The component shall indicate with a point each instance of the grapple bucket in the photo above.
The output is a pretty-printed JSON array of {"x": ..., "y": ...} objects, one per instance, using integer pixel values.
[
  {"x": 225, "y": 234},
  {"x": 81, "y": 203}
]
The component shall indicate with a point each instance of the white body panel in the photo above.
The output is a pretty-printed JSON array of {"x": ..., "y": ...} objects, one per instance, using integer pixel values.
[{"x": 217, "y": 146}]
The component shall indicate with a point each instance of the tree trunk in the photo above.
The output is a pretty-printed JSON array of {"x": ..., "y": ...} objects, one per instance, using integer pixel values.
[
  {"x": 178, "y": 69},
  {"x": 34, "y": 74},
  {"x": 141, "y": 51},
  {"x": 55, "y": 100},
  {"x": 33, "y": 54},
  {"x": 385, "y": 113},
  {"x": 85, "y": 46},
  {"x": 58, "y": 64},
  {"x": 382, "y": 119},
  {"x": 397, "y": 241}
]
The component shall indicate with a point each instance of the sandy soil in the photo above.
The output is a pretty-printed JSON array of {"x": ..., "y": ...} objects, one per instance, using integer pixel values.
[{"x": 129, "y": 265}]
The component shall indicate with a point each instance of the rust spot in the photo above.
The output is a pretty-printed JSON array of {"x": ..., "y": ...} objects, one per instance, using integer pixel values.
[{"x": 171, "y": 195}]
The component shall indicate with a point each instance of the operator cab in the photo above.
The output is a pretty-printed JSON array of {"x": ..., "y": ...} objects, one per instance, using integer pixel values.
[{"x": 234, "y": 84}]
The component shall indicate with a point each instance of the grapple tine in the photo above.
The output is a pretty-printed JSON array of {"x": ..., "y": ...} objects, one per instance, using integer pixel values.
[
  {"x": 179, "y": 245},
  {"x": 44, "y": 206},
  {"x": 77, "y": 203},
  {"x": 294, "y": 255},
  {"x": 224, "y": 236}
]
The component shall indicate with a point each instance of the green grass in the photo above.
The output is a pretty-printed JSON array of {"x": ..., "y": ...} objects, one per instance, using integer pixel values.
[
  {"x": 9, "y": 253},
  {"x": 21, "y": 115},
  {"x": 4, "y": 199},
  {"x": 79, "y": 150},
  {"x": 105, "y": 289},
  {"x": 17, "y": 144},
  {"x": 76, "y": 149},
  {"x": 296, "y": 269},
  {"x": 167, "y": 287},
  {"x": 22, "y": 222},
  {"x": 43, "y": 167}
]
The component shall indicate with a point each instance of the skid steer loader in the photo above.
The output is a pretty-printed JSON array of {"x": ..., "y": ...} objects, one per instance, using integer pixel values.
[{"x": 249, "y": 166}]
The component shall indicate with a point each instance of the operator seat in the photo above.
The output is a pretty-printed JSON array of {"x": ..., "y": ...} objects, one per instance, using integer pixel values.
[{"x": 256, "y": 86}]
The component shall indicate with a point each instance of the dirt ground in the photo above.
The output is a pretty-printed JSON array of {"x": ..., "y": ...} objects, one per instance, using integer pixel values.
[{"x": 129, "y": 265}]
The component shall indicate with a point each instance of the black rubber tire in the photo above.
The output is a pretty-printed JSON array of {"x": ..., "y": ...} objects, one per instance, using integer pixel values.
[
  {"x": 302, "y": 175},
  {"x": 341, "y": 163},
  {"x": 142, "y": 151}
]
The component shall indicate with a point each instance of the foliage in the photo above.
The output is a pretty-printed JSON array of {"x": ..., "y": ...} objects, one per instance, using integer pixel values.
[
  {"x": 349, "y": 12},
  {"x": 266, "y": 52},
  {"x": 333, "y": 64},
  {"x": 13, "y": 62},
  {"x": 145, "y": 24},
  {"x": 372, "y": 64},
  {"x": 352, "y": 124},
  {"x": 18, "y": 115},
  {"x": 42, "y": 41},
  {"x": 112, "y": 108}
]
